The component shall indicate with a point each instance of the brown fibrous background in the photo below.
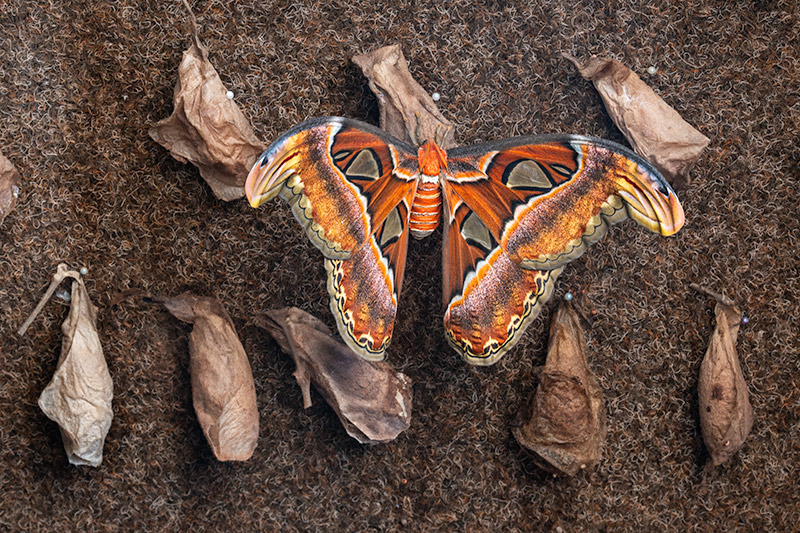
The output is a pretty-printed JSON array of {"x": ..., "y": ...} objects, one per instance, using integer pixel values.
[{"x": 83, "y": 83}]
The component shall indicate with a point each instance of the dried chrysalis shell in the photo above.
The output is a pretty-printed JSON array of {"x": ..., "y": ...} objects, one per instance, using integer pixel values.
[
  {"x": 207, "y": 128},
  {"x": 726, "y": 416},
  {"x": 406, "y": 110},
  {"x": 565, "y": 424},
  {"x": 78, "y": 397},
  {"x": 9, "y": 187},
  {"x": 655, "y": 130},
  {"x": 372, "y": 401},
  {"x": 223, "y": 390}
]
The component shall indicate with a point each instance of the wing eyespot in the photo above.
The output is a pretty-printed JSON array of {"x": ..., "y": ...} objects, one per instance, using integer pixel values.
[
  {"x": 527, "y": 175},
  {"x": 562, "y": 170},
  {"x": 364, "y": 165},
  {"x": 476, "y": 233},
  {"x": 341, "y": 155},
  {"x": 393, "y": 228}
]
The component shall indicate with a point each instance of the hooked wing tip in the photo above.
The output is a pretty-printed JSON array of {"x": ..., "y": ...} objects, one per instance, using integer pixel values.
[
  {"x": 678, "y": 217},
  {"x": 256, "y": 183},
  {"x": 249, "y": 184}
]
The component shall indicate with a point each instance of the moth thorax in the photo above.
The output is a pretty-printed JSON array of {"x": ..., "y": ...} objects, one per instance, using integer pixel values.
[
  {"x": 432, "y": 159},
  {"x": 426, "y": 209}
]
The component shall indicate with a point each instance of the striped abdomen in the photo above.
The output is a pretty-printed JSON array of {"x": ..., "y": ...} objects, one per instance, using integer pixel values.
[{"x": 426, "y": 209}]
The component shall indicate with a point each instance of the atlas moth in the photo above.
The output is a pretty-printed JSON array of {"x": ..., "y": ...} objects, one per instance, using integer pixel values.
[{"x": 514, "y": 211}]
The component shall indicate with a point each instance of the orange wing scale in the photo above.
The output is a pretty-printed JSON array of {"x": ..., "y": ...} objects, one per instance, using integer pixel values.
[
  {"x": 546, "y": 203},
  {"x": 496, "y": 307},
  {"x": 365, "y": 288},
  {"x": 482, "y": 182},
  {"x": 337, "y": 178},
  {"x": 489, "y": 299},
  {"x": 384, "y": 189}
]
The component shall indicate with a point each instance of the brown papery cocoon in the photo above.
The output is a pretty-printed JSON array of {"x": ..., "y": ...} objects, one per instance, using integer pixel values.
[
  {"x": 726, "y": 416},
  {"x": 565, "y": 424},
  {"x": 655, "y": 130},
  {"x": 9, "y": 187},
  {"x": 78, "y": 397},
  {"x": 206, "y": 128},
  {"x": 372, "y": 401},
  {"x": 406, "y": 110},
  {"x": 223, "y": 391}
]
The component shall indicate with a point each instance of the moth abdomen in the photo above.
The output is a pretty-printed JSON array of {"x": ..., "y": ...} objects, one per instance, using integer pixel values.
[{"x": 426, "y": 209}]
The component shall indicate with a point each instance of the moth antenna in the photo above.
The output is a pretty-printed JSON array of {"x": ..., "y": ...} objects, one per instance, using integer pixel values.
[{"x": 442, "y": 130}]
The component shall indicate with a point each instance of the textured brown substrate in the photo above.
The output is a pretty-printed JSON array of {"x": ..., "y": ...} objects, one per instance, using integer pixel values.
[{"x": 83, "y": 83}]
